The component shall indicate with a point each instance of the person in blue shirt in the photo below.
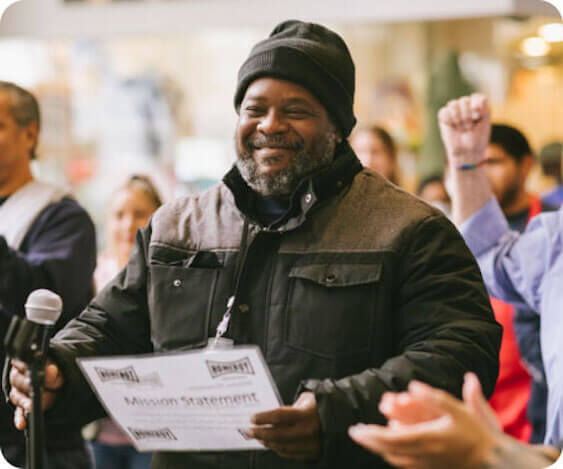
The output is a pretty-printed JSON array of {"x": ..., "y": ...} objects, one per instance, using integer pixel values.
[{"x": 428, "y": 429}]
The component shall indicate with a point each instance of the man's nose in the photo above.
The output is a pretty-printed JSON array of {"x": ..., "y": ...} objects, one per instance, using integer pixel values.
[{"x": 272, "y": 123}]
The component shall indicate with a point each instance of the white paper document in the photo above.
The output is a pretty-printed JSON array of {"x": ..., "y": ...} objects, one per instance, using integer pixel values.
[{"x": 190, "y": 401}]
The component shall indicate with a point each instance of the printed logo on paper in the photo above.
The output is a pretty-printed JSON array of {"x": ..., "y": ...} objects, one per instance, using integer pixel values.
[
  {"x": 161, "y": 434},
  {"x": 127, "y": 375},
  {"x": 236, "y": 367}
]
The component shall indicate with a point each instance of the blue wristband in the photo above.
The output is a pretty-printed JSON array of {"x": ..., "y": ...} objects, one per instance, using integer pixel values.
[{"x": 468, "y": 166}]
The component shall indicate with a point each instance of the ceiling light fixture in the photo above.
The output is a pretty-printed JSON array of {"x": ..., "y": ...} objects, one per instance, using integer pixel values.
[
  {"x": 534, "y": 47},
  {"x": 552, "y": 32}
]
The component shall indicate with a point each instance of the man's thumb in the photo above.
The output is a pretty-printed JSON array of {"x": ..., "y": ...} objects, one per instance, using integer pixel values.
[{"x": 474, "y": 398}]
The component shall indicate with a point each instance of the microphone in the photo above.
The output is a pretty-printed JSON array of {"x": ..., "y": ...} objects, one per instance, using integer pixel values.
[
  {"x": 43, "y": 308},
  {"x": 26, "y": 337}
]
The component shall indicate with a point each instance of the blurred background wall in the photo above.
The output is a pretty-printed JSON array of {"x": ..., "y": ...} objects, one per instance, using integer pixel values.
[{"x": 147, "y": 85}]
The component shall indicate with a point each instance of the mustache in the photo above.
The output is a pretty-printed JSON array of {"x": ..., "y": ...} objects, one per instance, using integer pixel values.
[{"x": 274, "y": 141}]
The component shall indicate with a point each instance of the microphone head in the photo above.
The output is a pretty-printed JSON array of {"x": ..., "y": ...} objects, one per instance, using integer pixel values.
[{"x": 43, "y": 307}]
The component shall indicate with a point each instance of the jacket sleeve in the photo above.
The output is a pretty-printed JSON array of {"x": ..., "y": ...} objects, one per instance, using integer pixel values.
[
  {"x": 61, "y": 256},
  {"x": 442, "y": 326},
  {"x": 515, "y": 266},
  {"x": 116, "y": 322}
]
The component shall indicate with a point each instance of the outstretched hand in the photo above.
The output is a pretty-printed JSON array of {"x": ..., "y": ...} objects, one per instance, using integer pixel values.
[
  {"x": 430, "y": 429},
  {"x": 465, "y": 125}
]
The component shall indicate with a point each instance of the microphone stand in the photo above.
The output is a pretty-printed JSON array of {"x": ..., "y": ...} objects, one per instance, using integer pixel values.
[
  {"x": 23, "y": 341},
  {"x": 36, "y": 433}
]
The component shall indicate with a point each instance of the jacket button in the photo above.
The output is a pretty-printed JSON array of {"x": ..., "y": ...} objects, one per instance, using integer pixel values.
[
  {"x": 330, "y": 278},
  {"x": 308, "y": 198},
  {"x": 244, "y": 308},
  {"x": 177, "y": 282}
]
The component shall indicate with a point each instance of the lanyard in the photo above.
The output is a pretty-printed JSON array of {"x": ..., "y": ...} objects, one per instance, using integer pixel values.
[{"x": 223, "y": 326}]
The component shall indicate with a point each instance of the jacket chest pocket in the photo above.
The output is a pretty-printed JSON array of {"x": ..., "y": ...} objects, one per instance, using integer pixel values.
[
  {"x": 180, "y": 300},
  {"x": 331, "y": 308}
]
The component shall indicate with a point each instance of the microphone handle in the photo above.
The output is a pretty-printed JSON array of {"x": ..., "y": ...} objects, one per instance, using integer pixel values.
[
  {"x": 44, "y": 334},
  {"x": 36, "y": 421}
]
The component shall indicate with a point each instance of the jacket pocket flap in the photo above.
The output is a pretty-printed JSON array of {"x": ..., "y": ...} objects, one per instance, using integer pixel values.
[
  {"x": 338, "y": 275},
  {"x": 162, "y": 255}
]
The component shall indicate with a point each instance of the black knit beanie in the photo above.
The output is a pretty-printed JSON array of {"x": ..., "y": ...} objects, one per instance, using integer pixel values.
[{"x": 314, "y": 57}]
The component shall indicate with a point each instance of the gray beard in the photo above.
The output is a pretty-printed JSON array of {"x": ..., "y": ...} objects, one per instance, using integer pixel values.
[{"x": 285, "y": 181}]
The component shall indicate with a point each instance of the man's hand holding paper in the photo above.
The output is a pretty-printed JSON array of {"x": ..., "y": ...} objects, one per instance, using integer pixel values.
[{"x": 293, "y": 432}]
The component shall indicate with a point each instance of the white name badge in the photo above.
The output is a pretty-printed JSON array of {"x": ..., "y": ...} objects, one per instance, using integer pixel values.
[{"x": 198, "y": 400}]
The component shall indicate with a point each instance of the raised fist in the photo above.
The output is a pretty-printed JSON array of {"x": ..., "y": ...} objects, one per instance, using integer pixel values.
[{"x": 465, "y": 125}]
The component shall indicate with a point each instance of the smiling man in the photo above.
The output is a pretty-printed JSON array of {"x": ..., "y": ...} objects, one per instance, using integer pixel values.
[{"x": 349, "y": 285}]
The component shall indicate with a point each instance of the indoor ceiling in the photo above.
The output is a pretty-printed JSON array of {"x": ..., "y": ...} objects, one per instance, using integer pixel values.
[{"x": 99, "y": 18}]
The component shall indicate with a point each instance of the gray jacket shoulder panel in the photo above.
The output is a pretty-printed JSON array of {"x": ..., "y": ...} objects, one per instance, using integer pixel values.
[
  {"x": 382, "y": 213},
  {"x": 208, "y": 220}
]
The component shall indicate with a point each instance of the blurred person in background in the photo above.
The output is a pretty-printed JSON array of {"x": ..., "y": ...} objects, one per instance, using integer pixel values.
[
  {"x": 349, "y": 285},
  {"x": 377, "y": 151},
  {"x": 428, "y": 430},
  {"x": 550, "y": 158},
  {"x": 520, "y": 396},
  {"x": 47, "y": 240},
  {"x": 130, "y": 208},
  {"x": 432, "y": 189}
]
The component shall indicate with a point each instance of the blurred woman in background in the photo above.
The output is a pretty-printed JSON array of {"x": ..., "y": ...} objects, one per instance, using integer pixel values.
[
  {"x": 377, "y": 151},
  {"x": 130, "y": 209}
]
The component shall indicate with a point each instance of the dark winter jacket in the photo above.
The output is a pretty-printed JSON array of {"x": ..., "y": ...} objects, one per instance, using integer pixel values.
[{"x": 358, "y": 289}]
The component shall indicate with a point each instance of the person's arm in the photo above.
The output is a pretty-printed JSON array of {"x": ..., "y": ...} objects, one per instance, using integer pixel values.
[
  {"x": 61, "y": 257},
  {"x": 465, "y": 125},
  {"x": 115, "y": 322},
  {"x": 513, "y": 266},
  {"x": 441, "y": 326}
]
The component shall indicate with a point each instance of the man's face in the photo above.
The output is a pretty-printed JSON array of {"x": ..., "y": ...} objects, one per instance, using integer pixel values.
[
  {"x": 507, "y": 177},
  {"x": 15, "y": 142},
  {"x": 283, "y": 134}
]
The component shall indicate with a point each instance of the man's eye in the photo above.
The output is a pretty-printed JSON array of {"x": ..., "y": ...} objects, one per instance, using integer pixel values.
[
  {"x": 254, "y": 110},
  {"x": 297, "y": 112}
]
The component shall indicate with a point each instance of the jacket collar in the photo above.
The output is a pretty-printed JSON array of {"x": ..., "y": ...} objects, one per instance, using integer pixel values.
[{"x": 310, "y": 192}]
